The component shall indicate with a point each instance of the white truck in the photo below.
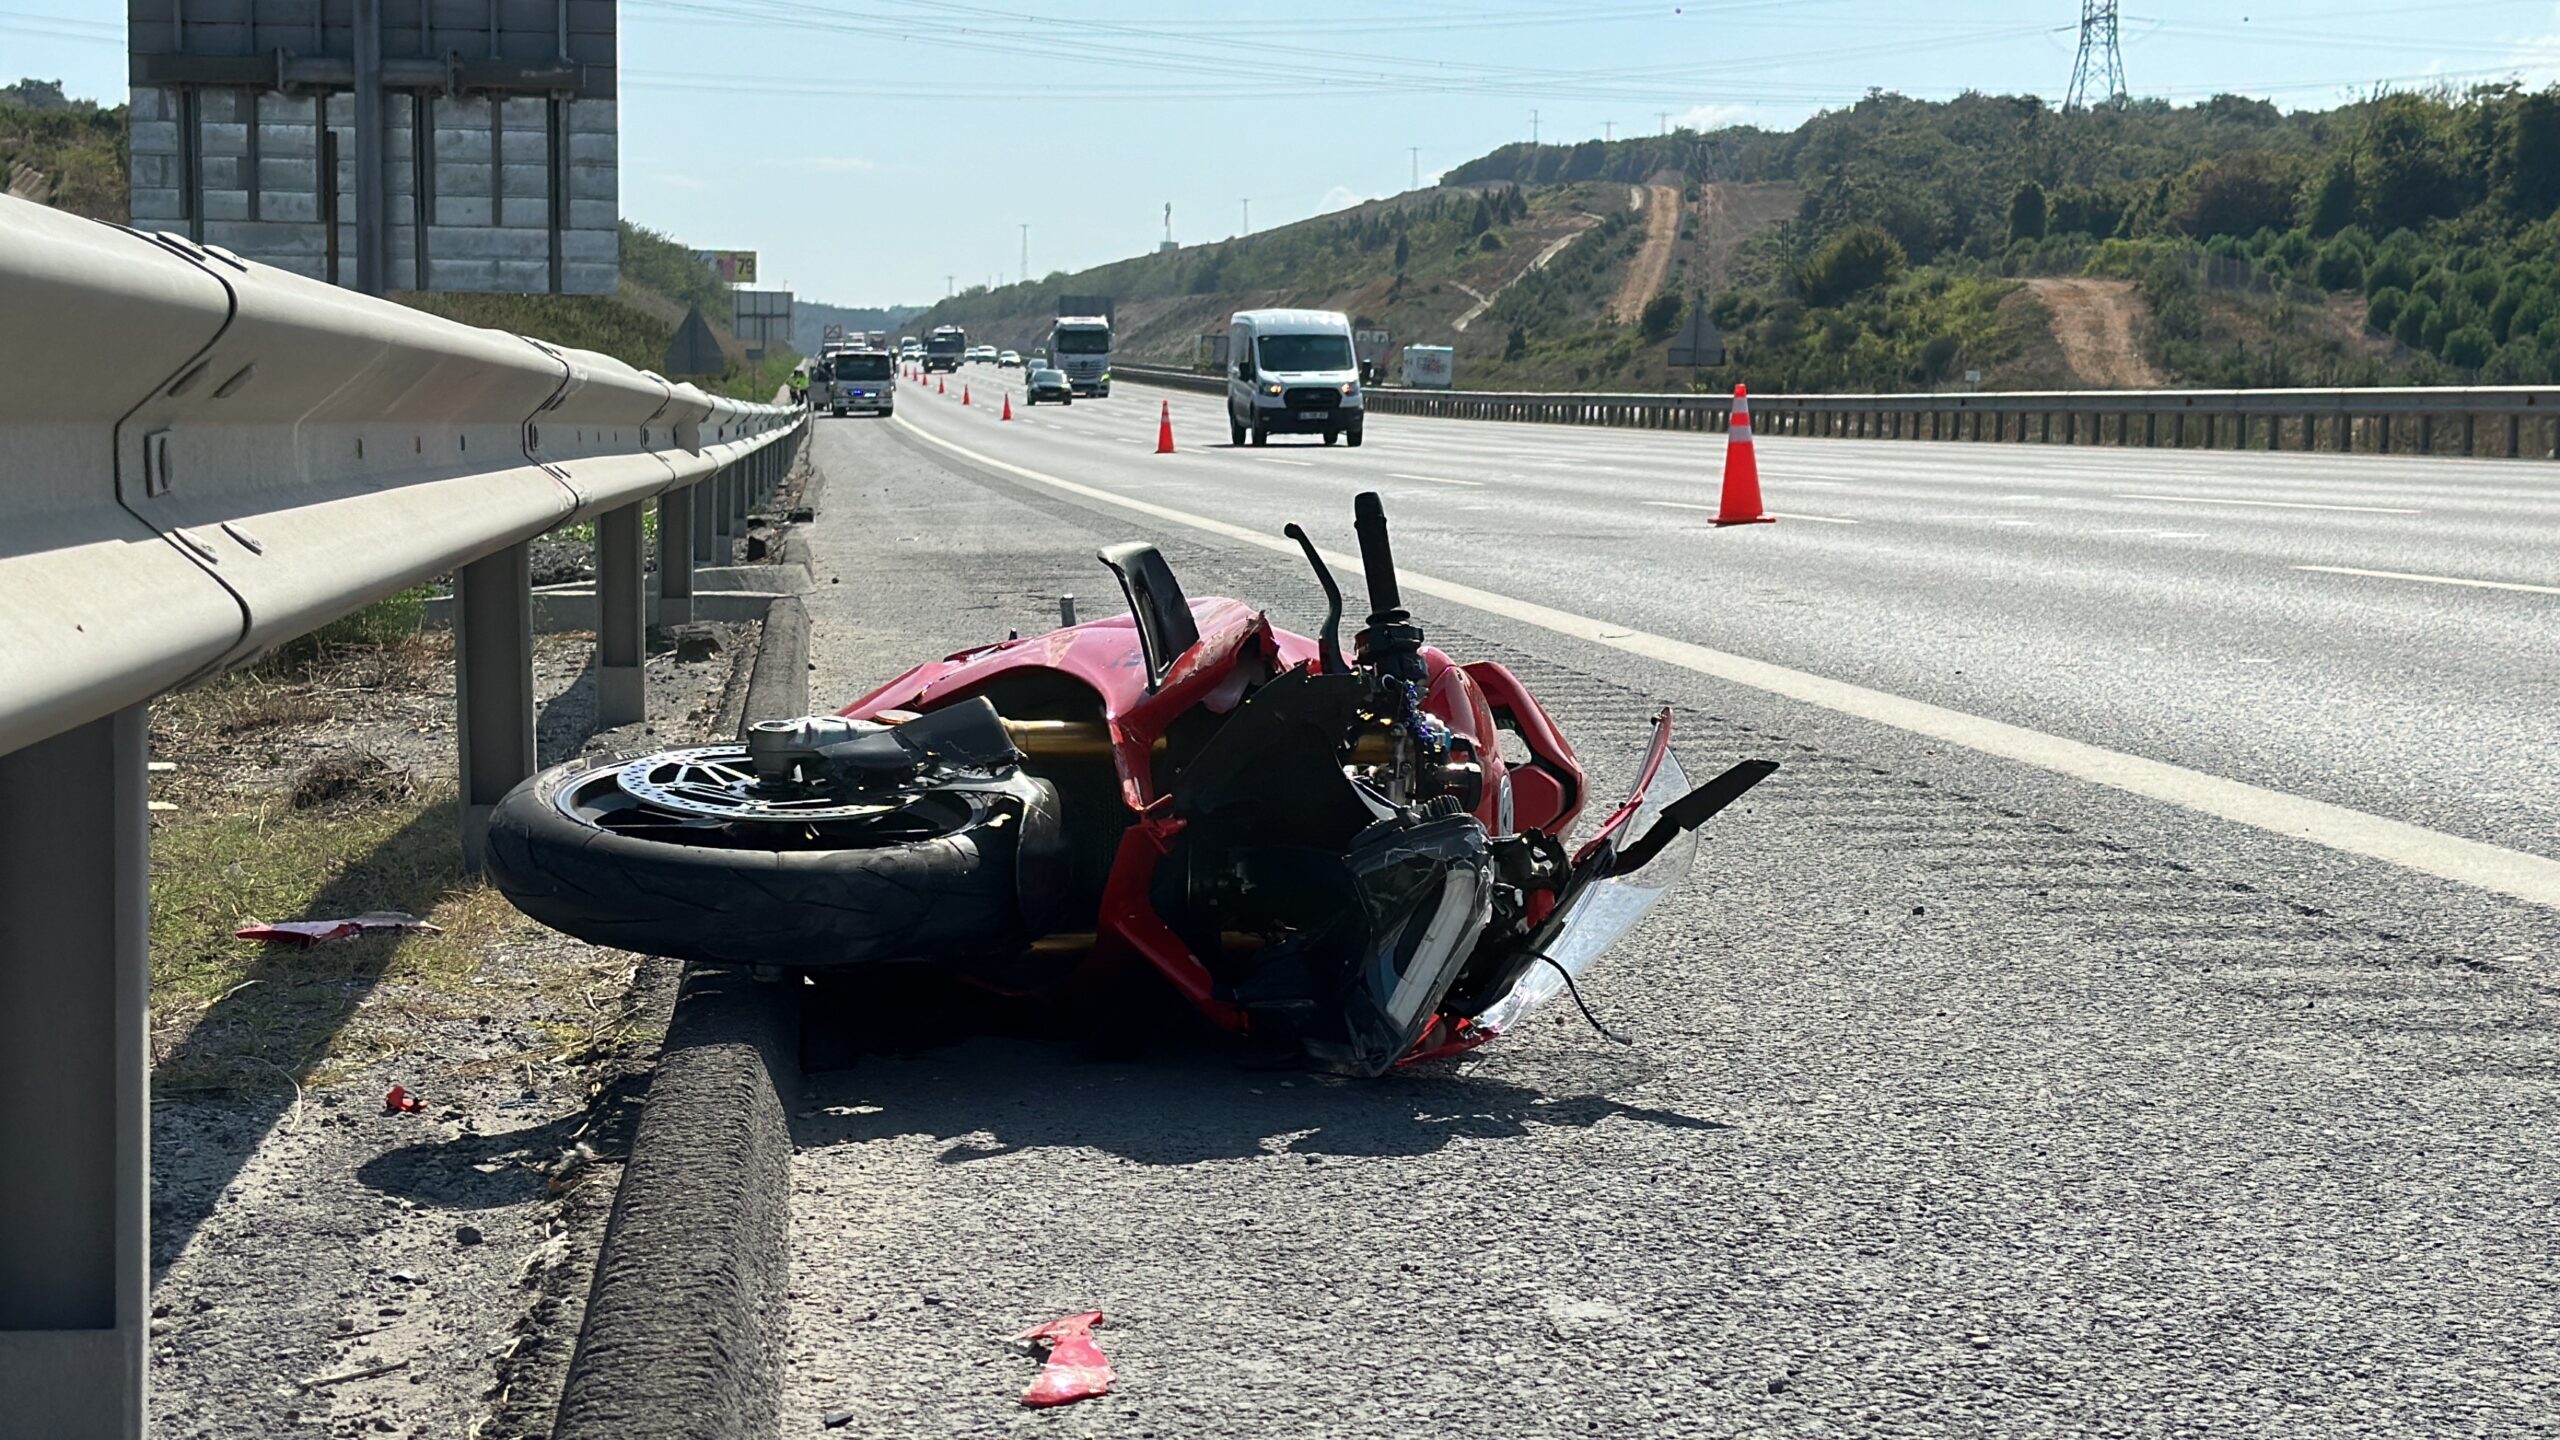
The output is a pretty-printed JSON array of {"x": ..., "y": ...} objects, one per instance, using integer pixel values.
[{"x": 1080, "y": 345}]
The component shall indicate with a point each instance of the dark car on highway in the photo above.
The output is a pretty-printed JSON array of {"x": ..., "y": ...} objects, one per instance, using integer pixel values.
[{"x": 1047, "y": 383}]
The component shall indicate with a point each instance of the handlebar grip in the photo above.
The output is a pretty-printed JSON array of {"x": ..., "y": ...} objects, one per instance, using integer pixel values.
[{"x": 1377, "y": 560}]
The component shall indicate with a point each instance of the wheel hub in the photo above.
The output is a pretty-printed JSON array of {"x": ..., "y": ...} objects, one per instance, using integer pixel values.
[{"x": 719, "y": 782}]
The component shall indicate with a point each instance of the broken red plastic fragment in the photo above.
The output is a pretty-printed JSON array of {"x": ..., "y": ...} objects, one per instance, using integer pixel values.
[
  {"x": 400, "y": 1099},
  {"x": 1076, "y": 1369},
  {"x": 312, "y": 932}
]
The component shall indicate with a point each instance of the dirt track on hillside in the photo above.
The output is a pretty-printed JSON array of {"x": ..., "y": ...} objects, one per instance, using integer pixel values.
[
  {"x": 2093, "y": 322},
  {"x": 1653, "y": 262}
]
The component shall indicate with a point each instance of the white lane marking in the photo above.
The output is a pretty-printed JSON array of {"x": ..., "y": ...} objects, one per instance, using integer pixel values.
[
  {"x": 2533, "y": 878},
  {"x": 1301, "y": 464},
  {"x": 2273, "y": 504},
  {"x": 2013, "y": 522},
  {"x": 1781, "y": 514},
  {"x": 2433, "y": 579},
  {"x": 1434, "y": 479}
]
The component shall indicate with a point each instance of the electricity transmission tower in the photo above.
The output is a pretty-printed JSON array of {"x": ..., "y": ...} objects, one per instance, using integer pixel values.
[{"x": 2097, "y": 77}]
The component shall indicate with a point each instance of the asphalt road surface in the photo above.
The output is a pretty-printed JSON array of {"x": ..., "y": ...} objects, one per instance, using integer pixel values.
[{"x": 2162, "y": 1045}]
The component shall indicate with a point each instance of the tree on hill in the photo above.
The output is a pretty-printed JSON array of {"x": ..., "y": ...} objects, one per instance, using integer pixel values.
[
  {"x": 2238, "y": 194},
  {"x": 1661, "y": 316},
  {"x": 1858, "y": 259},
  {"x": 2027, "y": 215},
  {"x": 2532, "y": 161}
]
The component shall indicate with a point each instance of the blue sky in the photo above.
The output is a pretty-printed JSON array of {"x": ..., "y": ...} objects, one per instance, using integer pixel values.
[{"x": 872, "y": 148}]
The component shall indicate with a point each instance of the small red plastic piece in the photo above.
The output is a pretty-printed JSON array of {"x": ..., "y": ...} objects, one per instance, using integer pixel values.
[
  {"x": 1076, "y": 1368},
  {"x": 399, "y": 1099}
]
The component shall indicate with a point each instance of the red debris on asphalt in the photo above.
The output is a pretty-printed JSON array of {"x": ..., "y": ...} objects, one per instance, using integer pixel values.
[
  {"x": 1076, "y": 1369},
  {"x": 400, "y": 1099},
  {"x": 313, "y": 932}
]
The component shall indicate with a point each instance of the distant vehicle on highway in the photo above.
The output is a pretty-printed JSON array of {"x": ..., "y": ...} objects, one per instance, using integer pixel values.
[
  {"x": 1047, "y": 383},
  {"x": 1082, "y": 345},
  {"x": 982, "y": 354},
  {"x": 945, "y": 348},
  {"x": 857, "y": 380},
  {"x": 1292, "y": 372},
  {"x": 1009, "y": 360}
]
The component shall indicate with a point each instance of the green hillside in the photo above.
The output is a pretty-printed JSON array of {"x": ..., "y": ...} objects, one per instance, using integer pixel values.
[
  {"x": 63, "y": 152},
  {"x": 1896, "y": 244}
]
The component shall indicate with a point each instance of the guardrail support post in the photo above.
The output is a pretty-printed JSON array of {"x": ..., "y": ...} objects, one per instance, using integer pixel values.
[
  {"x": 741, "y": 480},
  {"x": 621, "y": 618},
  {"x": 675, "y": 556},
  {"x": 493, "y": 684},
  {"x": 75, "y": 1081},
  {"x": 702, "y": 497}
]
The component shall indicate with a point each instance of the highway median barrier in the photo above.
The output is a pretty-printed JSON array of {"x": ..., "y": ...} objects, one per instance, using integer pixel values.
[{"x": 2483, "y": 421}]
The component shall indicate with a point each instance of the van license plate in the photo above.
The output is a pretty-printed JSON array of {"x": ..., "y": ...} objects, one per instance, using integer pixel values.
[{"x": 1315, "y": 414}]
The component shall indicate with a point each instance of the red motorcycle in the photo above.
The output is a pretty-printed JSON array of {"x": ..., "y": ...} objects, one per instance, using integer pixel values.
[{"x": 1331, "y": 851}]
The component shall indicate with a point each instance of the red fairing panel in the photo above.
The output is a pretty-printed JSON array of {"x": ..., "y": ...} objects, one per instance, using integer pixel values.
[
  {"x": 1546, "y": 792},
  {"x": 1105, "y": 656}
]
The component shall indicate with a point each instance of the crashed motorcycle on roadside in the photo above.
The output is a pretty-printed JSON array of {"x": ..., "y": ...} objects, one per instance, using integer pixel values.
[{"x": 1322, "y": 849}]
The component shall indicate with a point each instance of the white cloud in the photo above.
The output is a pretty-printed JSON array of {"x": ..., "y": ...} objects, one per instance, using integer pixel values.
[
  {"x": 2539, "y": 57},
  {"x": 838, "y": 164},
  {"x": 1340, "y": 197},
  {"x": 1710, "y": 117},
  {"x": 674, "y": 181}
]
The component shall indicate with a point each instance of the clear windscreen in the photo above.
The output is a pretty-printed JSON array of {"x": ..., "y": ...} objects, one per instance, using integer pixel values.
[{"x": 1606, "y": 909}]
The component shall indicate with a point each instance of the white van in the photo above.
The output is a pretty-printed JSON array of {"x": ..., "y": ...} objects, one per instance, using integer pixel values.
[{"x": 1292, "y": 372}]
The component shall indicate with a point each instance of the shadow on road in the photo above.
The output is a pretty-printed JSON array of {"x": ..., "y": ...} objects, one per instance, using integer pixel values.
[{"x": 1135, "y": 1077}]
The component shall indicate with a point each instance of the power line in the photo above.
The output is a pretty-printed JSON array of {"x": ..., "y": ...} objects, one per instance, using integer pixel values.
[{"x": 2101, "y": 60}]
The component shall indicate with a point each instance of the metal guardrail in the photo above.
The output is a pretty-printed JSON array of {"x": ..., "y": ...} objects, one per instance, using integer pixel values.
[
  {"x": 201, "y": 458},
  {"x": 2501, "y": 421}
]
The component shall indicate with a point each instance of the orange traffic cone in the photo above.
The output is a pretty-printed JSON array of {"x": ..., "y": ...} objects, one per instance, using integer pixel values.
[
  {"x": 1164, "y": 430},
  {"x": 964, "y": 392},
  {"x": 1008, "y": 406},
  {"x": 941, "y": 389},
  {"x": 1741, "y": 470}
]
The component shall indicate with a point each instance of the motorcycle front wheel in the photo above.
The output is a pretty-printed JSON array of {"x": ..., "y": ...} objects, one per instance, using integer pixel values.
[{"x": 684, "y": 854}]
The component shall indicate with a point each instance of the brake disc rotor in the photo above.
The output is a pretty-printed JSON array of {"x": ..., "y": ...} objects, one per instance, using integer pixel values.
[{"x": 718, "y": 782}]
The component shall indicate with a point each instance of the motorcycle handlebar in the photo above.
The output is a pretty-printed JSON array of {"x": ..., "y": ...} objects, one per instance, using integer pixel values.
[{"x": 1377, "y": 560}]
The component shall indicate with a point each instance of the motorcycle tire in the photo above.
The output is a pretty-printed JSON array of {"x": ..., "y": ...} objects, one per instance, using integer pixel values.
[{"x": 985, "y": 884}]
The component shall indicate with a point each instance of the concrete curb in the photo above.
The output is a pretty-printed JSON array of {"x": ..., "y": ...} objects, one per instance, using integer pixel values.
[
  {"x": 684, "y": 1331},
  {"x": 778, "y": 688}
]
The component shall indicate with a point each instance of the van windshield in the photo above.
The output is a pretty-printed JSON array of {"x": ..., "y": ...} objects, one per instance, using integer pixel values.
[
  {"x": 1281, "y": 353},
  {"x": 863, "y": 367}
]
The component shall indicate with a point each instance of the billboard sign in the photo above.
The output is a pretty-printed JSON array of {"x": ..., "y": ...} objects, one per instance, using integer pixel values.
[{"x": 734, "y": 267}]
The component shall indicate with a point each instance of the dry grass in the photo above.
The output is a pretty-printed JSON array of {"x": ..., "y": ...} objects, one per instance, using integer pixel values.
[{"x": 222, "y": 1006}]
